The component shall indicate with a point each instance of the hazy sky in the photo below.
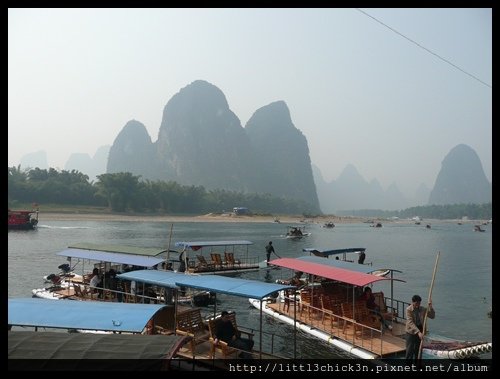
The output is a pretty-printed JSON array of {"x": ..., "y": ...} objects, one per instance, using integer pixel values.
[{"x": 360, "y": 93}]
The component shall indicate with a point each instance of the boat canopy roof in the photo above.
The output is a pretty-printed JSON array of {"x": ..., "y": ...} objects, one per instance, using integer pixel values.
[
  {"x": 215, "y": 283},
  {"x": 110, "y": 349},
  {"x": 368, "y": 269},
  {"x": 122, "y": 249},
  {"x": 350, "y": 273},
  {"x": 196, "y": 245},
  {"x": 113, "y": 257},
  {"x": 326, "y": 253},
  {"x": 338, "y": 263},
  {"x": 88, "y": 315}
]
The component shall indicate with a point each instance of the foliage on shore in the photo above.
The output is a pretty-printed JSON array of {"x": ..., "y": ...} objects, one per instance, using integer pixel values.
[{"x": 124, "y": 192}]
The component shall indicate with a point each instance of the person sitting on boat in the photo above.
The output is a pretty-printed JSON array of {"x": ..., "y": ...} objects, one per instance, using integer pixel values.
[
  {"x": 225, "y": 331},
  {"x": 295, "y": 280},
  {"x": 373, "y": 307},
  {"x": 95, "y": 281},
  {"x": 55, "y": 279},
  {"x": 415, "y": 315}
]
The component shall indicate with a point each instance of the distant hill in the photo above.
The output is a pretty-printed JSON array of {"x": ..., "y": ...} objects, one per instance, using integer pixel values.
[
  {"x": 89, "y": 166},
  {"x": 461, "y": 179},
  {"x": 36, "y": 159},
  {"x": 351, "y": 191},
  {"x": 201, "y": 142}
]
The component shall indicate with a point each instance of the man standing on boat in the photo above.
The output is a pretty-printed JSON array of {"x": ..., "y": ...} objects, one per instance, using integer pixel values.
[
  {"x": 269, "y": 250},
  {"x": 415, "y": 315}
]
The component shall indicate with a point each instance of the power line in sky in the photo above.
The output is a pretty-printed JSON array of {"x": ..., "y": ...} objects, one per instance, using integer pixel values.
[{"x": 423, "y": 47}]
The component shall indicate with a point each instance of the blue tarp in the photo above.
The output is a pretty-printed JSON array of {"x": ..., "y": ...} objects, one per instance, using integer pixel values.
[
  {"x": 214, "y": 283},
  {"x": 160, "y": 278},
  {"x": 88, "y": 315},
  {"x": 106, "y": 256}
]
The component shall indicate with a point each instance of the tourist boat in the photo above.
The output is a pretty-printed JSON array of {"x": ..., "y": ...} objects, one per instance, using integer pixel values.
[
  {"x": 119, "y": 258},
  {"x": 198, "y": 323},
  {"x": 329, "y": 225},
  {"x": 328, "y": 309},
  {"x": 344, "y": 256},
  {"x": 117, "y": 346},
  {"x": 296, "y": 232},
  {"x": 477, "y": 228},
  {"x": 218, "y": 257},
  {"x": 23, "y": 220}
]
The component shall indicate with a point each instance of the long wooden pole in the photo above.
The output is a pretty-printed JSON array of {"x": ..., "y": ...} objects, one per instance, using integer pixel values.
[
  {"x": 429, "y": 300},
  {"x": 169, "y": 240}
]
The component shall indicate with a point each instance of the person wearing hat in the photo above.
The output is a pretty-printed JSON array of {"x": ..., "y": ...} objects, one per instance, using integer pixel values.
[{"x": 415, "y": 315}]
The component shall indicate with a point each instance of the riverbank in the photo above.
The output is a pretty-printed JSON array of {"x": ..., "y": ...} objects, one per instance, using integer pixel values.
[{"x": 211, "y": 217}]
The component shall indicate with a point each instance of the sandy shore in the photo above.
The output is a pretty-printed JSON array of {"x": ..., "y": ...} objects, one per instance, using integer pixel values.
[{"x": 211, "y": 217}]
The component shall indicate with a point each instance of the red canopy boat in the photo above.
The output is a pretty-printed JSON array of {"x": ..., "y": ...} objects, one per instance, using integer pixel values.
[{"x": 23, "y": 220}]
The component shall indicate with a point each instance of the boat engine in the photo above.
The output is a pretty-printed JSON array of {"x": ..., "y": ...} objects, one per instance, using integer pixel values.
[{"x": 65, "y": 268}]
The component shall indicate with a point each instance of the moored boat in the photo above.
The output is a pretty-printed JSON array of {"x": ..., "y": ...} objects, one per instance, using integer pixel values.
[
  {"x": 329, "y": 309},
  {"x": 218, "y": 257},
  {"x": 121, "y": 336},
  {"x": 23, "y": 219},
  {"x": 109, "y": 261}
]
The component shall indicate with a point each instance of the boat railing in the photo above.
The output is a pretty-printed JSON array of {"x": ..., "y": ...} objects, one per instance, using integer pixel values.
[
  {"x": 398, "y": 307},
  {"x": 124, "y": 295},
  {"x": 272, "y": 343},
  {"x": 334, "y": 323},
  {"x": 240, "y": 262}
]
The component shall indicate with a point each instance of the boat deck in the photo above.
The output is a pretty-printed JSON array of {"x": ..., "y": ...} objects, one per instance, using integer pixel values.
[{"x": 383, "y": 344}]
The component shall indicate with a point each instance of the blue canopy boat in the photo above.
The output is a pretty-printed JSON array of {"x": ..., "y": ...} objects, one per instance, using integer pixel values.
[
  {"x": 216, "y": 284},
  {"x": 50, "y": 350}
]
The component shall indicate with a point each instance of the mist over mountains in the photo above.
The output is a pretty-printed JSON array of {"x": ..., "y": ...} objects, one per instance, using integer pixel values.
[{"x": 201, "y": 142}]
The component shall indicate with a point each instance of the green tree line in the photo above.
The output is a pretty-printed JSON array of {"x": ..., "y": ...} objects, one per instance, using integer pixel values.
[{"x": 124, "y": 192}]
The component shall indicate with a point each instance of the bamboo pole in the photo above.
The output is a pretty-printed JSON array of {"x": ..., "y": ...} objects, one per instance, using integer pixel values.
[
  {"x": 429, "y": 300},
  {"x": 169, "y": 240}
]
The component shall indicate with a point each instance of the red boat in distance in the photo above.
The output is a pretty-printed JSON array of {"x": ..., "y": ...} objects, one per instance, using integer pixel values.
[{"x": 23, "y": 220}]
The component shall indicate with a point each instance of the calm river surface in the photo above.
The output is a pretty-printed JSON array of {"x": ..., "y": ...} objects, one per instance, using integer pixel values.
[{"x": 462, "y": 293}]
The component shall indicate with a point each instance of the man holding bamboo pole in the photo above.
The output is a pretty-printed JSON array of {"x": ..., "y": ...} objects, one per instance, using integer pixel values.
[{"x": 415, "y": 315}]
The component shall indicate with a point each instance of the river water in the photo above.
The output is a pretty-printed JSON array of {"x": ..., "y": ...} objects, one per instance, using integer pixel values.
[{"x": 462, "y": 292}]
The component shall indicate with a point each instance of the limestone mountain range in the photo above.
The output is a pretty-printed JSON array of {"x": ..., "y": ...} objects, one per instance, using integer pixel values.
[{"x": 201, "y": 142}]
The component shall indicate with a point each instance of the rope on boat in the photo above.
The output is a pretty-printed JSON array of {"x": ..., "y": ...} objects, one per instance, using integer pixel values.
[{"x": 457, "y": 350}]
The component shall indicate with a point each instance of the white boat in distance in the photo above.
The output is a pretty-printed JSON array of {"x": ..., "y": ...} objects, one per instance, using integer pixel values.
[{"x": 296, "y": 232}]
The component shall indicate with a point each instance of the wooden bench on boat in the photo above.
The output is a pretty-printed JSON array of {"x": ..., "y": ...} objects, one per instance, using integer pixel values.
[
  {"x": 361, "y": 316},
  {"x": 222, "y": 346},
  {"x": 190, "y": 323},
  {"x": 217, "y": 260},
  {"x": 230, "y": 260},
  {"x": 203, "y": 265}
]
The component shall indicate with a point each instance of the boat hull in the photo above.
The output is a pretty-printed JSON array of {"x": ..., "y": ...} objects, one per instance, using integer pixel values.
[{"x": 429, "y": 352}]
